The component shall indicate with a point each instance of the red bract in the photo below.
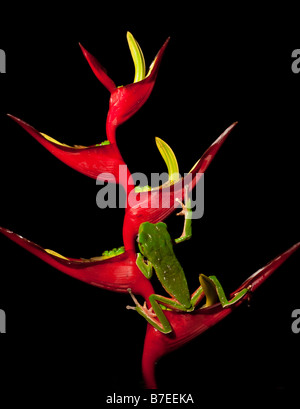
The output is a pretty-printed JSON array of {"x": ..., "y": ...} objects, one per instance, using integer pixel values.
[
  {"x": 187, "y": 326},
  {"x": 155, "y": 205},
  {"x": 92, "y": 161},
  {"x": 115, "y": 273},
  {"x": 126, "y": 100}
]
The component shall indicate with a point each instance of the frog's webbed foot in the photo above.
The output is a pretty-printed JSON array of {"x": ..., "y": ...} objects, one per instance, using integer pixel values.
[{"x": 142, "y": 309}]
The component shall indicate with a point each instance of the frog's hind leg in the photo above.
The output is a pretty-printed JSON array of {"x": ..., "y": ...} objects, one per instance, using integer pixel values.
[
  {"x": 154, "y": 315},
  {"x": 214, "y": 292},
  {"x": 197, "y": 296}
]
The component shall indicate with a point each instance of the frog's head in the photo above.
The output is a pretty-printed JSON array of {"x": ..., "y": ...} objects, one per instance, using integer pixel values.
[{"x": 152, "y": 237}]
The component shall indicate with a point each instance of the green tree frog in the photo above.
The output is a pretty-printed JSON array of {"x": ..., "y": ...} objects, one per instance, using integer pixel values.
[{"x": 156, "y": 252}]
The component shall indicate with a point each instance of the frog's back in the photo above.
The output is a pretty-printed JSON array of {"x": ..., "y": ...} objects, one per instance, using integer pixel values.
[{"x": 170, "y": 273}]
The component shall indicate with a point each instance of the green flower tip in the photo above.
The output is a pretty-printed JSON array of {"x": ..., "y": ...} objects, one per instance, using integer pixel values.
[
  {"x": 169, "y": 158},
  {"x": 138, "y": 58}
]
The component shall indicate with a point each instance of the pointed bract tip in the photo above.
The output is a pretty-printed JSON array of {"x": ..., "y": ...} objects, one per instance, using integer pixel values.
[
  {"x": 14, "y": 118},
  {"x": 166, "y": 42},
  {"x": 130, "y": 38},
  {"x": 82, "y": 48},
  {"x": 233, "y": 124}
]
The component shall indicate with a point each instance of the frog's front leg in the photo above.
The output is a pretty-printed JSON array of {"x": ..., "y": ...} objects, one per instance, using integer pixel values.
[
  {"x": 187, "y": 213},
  {"x": 146, "y": 267},
  {"x": 155, "y": 315}
]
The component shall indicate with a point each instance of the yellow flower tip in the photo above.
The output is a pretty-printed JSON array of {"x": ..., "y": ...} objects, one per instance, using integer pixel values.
[
  {"x": 194, "y": 166},
  {"x": 169, "y": 158},
  {"x": 50, "y": 139},
  {"x": 54, "y": 253},
  {"x": 209, "y": 290},
  {"x": 137, "y": 56},
  {"x": 129, "y": 36}
]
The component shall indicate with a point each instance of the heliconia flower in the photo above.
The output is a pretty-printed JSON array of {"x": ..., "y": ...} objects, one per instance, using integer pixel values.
[
  {"x": 188, "y": 325},
  {"x": 156, "y": 204},
  {"x": 115, "y": 270},
  {"x": 92, "y": 161},
  {"x": 126, "y": 100}
]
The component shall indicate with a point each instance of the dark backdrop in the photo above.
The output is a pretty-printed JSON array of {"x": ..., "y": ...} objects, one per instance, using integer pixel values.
[{"x": 217, "y": 69}]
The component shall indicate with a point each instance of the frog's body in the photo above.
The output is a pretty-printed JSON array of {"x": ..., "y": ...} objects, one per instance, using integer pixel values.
[
  {"x": 157, "y": 253},
  {"x": 156, "y": 245}
]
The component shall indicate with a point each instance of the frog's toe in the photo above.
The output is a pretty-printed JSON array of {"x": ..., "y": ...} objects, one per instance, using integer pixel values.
[{"x": 147, "y": 311}]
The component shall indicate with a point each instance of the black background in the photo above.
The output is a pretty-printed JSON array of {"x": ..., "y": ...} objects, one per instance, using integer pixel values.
[{"x": 218, "y": 68}]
